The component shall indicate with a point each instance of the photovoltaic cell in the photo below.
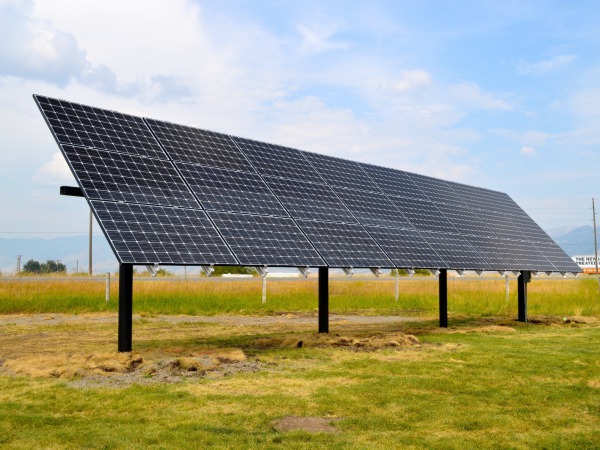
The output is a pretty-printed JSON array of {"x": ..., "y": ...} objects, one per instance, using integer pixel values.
[
  {"x": 406, "y": 248},
  {"x": 144, "y": 234},
  {"x": 456, "y": 251},
  {"x": 227, "y": 190},
  {"x": 423, "y": 215},
  {"x": 84, "y": 126},
  {"x": 277, "y": 161},
  {"x": 196, "y": 146},
  {"x": 436, "y": 190},
  {"x": 344, "y": 245},
  {"x": 262, "y": 240},
  {"x": 120, "y": 177},
  {"x": 466, "y": 221},
  {"x": 393, "y": 182},
  {"x": 309, "y": 200},
  {"x": 373, "y": 209},
  {"x": 341, "y": 172}
]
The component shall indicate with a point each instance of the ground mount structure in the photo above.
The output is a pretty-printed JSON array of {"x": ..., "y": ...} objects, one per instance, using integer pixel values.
[{"x": 169, "y": 194}]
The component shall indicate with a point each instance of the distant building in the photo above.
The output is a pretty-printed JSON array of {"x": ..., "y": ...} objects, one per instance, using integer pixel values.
[{"x": 586, "y": 262}]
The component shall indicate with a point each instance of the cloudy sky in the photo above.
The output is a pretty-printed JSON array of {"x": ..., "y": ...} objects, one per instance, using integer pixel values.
[{"x": 504, "y": 95}]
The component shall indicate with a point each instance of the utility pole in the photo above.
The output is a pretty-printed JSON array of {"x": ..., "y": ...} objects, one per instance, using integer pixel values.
[
  {"x": 19, "y": 264},
  {"x": 90, "y": 245},
  {"x": 595, "y": 239}
]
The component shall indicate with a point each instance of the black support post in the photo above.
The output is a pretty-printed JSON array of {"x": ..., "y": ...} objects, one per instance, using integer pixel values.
[
  {"x": 125, "y": 306},
  {"x": 323, "y": 299},
  {"x": 524, "y": 278},
  {"x": 443, "y": 280}
]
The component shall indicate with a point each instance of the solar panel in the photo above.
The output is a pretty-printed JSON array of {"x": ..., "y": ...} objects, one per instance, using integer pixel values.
[
  {"x": 436, "y": 190},
  {"x": 196, "y": 146},
  {"x": 144, "y": 234},
  {"x": 406, "y": 248},
  {"x": 122, "y": 177},
  {"x": 262, "y": 240},
  {"x": 341, "y": 172},
  {"x": 466, "y": 221},
  {"x": 344, "y": 245},
  {"x": 227, "y": 190},
  {"x": 151, "y": 183},
  {"x": 393, "y": 182},
  {"x": 423, "y": 215},
  {"x": 277, "y": 161},
  {"x": 305, "y": 200},
  {"x": 456, "y": 251},
  {"x": 373, "y": 209},
  {"x": 85, "y": 126}
]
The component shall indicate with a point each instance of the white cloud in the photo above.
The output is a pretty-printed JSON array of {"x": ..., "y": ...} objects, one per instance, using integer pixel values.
[
  {"x": 473, "y": 95},
  {"x": 528, "y": 150},
  {"x": 411, "y": 80},
  {"x": 54, "y": 171},
  {"x": 545, "y": 66},
  {"x": 318, "y": 38}
]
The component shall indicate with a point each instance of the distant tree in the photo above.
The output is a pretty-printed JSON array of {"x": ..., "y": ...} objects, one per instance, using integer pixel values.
[
  {"x": 32, "y": 266},
  {"x": 51, "y": 266},
  {"x": 403, "y": 272},
  {"x": 220, "y": 270}
]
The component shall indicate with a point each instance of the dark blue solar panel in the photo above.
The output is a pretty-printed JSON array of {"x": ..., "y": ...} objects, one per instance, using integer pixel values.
[
  {"x": 85, "y": 126},
  {"x": 310, "y": 201},
  {"x": 277, "y": 161},
  {"x": 344, "y": 245},
  {"x": 144, "y": 234},
  {"x": 406, "y": 248},
  {"x": 227, "y": 190},
  {"x": 120, "y": 177},
  {"x": 196, "y": 146},
  {"x": 262, "y": 240}
]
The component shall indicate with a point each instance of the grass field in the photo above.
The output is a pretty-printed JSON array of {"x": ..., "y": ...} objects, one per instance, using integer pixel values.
[
  {"x": 418, "y": 296},
  {"x": 486, "y": 382}
]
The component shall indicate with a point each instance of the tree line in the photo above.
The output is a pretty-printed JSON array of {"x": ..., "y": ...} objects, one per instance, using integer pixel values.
[{"x": 33, "y": 266}]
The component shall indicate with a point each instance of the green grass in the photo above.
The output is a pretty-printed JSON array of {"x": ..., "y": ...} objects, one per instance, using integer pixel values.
[
  {"x": 536, "y": 388},
  {"x": 418, "y": 296}
]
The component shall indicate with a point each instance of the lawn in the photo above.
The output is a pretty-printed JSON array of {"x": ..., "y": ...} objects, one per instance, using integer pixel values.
[{"x": 225, "y": 381}]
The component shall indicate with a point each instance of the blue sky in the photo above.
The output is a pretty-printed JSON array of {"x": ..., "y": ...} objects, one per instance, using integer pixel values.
[{"x": 504, "y": 95}]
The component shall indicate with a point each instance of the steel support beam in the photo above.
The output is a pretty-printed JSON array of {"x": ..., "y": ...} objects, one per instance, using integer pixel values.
[
  {"x": 323, "y": 299},
  {"x": 524, "y": 278},
  {"x": 125, "y": 306},
  {"x": 443, "y": 281}
]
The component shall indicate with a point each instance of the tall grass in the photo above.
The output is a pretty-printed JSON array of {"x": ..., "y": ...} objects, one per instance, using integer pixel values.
[{"x": 418, "y": 296}]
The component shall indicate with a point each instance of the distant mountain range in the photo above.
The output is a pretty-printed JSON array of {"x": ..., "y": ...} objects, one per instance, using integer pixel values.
[
  {"x": 73, "y": 251},
  {"x": 574, "y": 241}
]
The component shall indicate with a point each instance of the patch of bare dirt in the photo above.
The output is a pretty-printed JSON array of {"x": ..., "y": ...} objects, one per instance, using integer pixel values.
[
  {"x": 485, "y": 329},
  {"x": 371, "y": 342},
  {"x": 308, "y": 424}
]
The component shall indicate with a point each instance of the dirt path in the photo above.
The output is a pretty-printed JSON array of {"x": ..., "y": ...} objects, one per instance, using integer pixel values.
[{"x": 99, "y": 318}]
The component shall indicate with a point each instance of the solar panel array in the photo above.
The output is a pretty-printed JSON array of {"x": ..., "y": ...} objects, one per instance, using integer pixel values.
[{"x": 172, "y": 194}]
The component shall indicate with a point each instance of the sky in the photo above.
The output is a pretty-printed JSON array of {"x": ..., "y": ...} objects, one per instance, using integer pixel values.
[{"x": 503, "y": 95}]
